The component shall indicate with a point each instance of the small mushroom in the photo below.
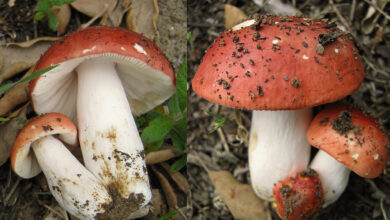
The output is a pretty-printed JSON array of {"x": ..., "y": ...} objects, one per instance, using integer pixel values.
[
  {"x": 37, "y": 148},
  {"x": 347, "y": 140}
]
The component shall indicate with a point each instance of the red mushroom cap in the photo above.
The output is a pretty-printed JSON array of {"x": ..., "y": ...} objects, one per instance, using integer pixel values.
[
  {"x": 352, "y": 138},
  {"x": 23, "y": 161},
  {"x": 298, "y": 197},
  {"x": 279, "y": 63},
  {"x": 138, "y": 61},
  {"x": 105, "y": 40}
]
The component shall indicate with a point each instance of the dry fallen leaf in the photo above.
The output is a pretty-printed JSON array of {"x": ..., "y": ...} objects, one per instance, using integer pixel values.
[
  {"x": 32, "y": 42},
  {"x": 233, "y": 16},
  {"x": 160, "y": 156},
  {"x": 8, "y": 132},
  {"x": 93, "y": 7},
  {"x": 159, "y": 206},
  {"x": 15, "y": 96},
  {"x": 14, "y": 69},
  {"x": 178, "y": 178},
  {"x": 169, "y": 193},
  {"x": 116, "y": 16},
  {"x": 239, "y": 198},
  {"x": 29, "y": 55},
  {"x": 63, "y": 15},
  {"x": 142, "y": 17}
]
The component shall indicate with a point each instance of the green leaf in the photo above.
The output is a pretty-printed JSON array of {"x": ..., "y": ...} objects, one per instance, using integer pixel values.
[
  {"x": 178, "y": 164},
  {"x": 155, "y": 146},
  {"x": 143, "y": 120},
  {"x": 3, "y": 119},
  {"x": 181, "y": 85},
  {"x": 179, "y": 135},
  {"x": 53, "y": 21},
  {"x": 167, "y": 215},
  {"x": 28, "y": 78},
  {"x": 44, "y": 6},
  {"x": 39, "y": 15},
  {"x": 174, "y": 107},
  {"x": 220, "y": 121},
  {"x": 157, "y": 130},
  {"x": 189, "y": 38},
  {"x": 59, "y": 2},
  {"x": 21, "y": 121}
]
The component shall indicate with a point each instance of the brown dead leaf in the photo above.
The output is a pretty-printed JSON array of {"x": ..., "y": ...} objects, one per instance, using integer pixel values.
[
  {"x": 14, "y": 69},
  {"x": 233, "y": 16},
  {"x": 116, "y": 16},
  {"x": 15, "y": 96},
  {"x": 29, "y": 55},
  {"x": 160, "y": 156},
  {"x": 239, "y": 198},
  {"x": 159, "y": 206},
  {"x": 93, "y": 7},
  {"x": 63, "y": 15},
  {"x": 142, "y": 17},
  {"x": 126, "y": 3},
  {"x": 178, "y": 178},
  {"x": 32, "y": 42},
  {"x": 8, "y": 132},
  {"x": 169, "y": 193}
]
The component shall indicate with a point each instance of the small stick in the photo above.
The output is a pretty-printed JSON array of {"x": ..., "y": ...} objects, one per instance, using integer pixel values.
[{"x": 378, "y": 9}]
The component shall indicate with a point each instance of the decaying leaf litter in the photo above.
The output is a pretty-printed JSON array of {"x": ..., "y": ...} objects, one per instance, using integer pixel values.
[
  {"x": 224, "y": 150},
  {"x": 23, "y": 40}
]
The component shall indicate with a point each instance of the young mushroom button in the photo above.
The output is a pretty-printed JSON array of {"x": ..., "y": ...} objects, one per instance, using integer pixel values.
[
  {"x": 280, "y": 67},
  {"x": 104, "y": 75},
  {"x": 36, "y": 148},
  {"x": 348, "y": 140}
]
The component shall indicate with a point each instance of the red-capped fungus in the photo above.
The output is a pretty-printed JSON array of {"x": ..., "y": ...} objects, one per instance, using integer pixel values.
[
  {"x": 37, "y": 149},
  {"x": 104, "y": 76},
  {"x": 280, "y": 67},
  {"x": 347, "y": 140}
]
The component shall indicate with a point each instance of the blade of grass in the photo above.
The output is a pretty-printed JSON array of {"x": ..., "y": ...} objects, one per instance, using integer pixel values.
[{"x": 28, "y": 78}]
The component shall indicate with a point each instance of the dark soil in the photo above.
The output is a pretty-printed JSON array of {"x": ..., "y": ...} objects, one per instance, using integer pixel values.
[{"x": 363, "y": 199}]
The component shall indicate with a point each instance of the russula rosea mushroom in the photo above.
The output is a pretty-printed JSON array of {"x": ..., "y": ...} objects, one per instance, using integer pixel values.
[
  {"x": 104, "y": 75},
  {"x": 298, "y": 197},
  {"x": 36, "y": 148},
  {"x": 348, "y": 140},
  {"x": 274, "y": 63}
]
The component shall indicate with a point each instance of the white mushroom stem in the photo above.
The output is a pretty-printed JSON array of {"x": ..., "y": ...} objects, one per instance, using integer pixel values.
[
  {"x": 109, "y": 139},
  {"x": 278, "y": 148},
  {"x": 333, "y": 175},
  {"x": 73, "y": 186}
]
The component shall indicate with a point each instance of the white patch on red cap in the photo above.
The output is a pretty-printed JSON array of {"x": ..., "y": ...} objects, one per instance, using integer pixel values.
[
  {"x": 140, "y": 49},
  {"x": 89, "y": 50}
]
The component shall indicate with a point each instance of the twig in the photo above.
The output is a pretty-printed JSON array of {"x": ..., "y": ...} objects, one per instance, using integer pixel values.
[
  {"x": 378, "y": 9},
  {"x": 372, "y": 66},
  {"x": 352, "y": 12},
  {"x": 223, "y": 139},
  {"x": 242, "y": 132},
  {"x": 12, "y": 191},
  {"x": 345, "y": 23},
  {"x": 55, "y": 211}
]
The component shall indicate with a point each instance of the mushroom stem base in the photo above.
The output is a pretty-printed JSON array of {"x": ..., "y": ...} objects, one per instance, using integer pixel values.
[
  {"x": 278, "y": 148},
  {"x": 111, "y": 146},
  {"x": 333, "y": 175},
  {"x": 71, "y": 184}
]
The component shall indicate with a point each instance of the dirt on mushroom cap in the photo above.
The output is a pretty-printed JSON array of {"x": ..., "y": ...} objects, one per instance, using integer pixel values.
[
  {"x": 352, "y": 138},
  {"x": 282, "y": 56}
]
